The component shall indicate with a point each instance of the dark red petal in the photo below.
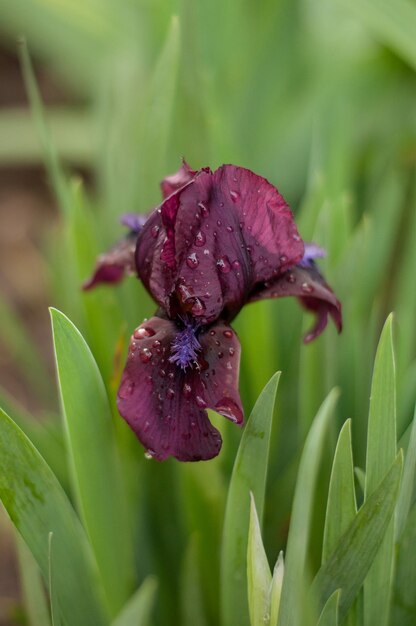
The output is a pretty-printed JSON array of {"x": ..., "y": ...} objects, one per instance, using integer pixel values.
[
  {"x": 220, "y": 367},
  {"x": 164, "y": 405},
  {"x": 220, "y": 235},
  {"x": 313, "y": 292},
  {"x": 176, "y": 181},
  {"x": 112, "y": 266}
]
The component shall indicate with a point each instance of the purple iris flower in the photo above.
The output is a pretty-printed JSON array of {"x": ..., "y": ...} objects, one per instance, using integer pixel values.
[{"x": 218, "y": 241}]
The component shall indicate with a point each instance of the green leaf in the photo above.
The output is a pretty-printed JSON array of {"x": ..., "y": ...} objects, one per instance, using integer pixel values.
[
  {"x": 291, "y": 601},
  {"x": 403, "y": 611},
  {"x": 276, "y": 589},
  {"x": 381, "y": 452},
  {"x": 55, "y": 612},
  {"x": 37, "y": 506},
  {"x": 249, "y": 474},
  {"x": 138, "y": 609},
  {"x": 341, "y": 505},
  {"x": 329, "y": 615},
  {"x": 407, "y": 487},
  {"x": 34, "y": 597},
  {"x": 354, "y": 554},
  {"x": 94, "y": 459},
  {"x": 259, "y": 577},
  {"x": 192, "y": 601}
]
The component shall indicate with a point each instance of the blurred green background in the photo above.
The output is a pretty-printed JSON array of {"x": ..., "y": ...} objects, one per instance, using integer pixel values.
[{"x": 319, "y": 97}]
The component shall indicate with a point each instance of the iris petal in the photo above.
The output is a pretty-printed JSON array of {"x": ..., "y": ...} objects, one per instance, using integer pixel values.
[
  {"x": 219, "y": 236},
  {"x": 313, "y": 292},
  {"x": 165, "y": 405},
  {"x": 112, "y": 266}
]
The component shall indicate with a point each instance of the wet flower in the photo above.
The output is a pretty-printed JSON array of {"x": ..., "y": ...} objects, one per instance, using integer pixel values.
[{"x": 218, "y": 241}]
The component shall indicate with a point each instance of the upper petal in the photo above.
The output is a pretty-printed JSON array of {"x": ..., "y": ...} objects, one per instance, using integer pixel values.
[
  {"x": 218, "y": 237},
  {"x": 165, "y": 405},
  {"x": 177, "y": 180},
  {"x": 313, "y": 292},
  {"x": 112, "y": 266}
]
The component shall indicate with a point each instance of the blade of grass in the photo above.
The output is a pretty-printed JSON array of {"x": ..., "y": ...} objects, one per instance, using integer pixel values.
[
  {"x": 137, "y": 611},
  {"x": 55, "y": 612},
  {"x": 34, "y": 596},
  {"x": 341, "y": 505},
  {"x": 259, "y": 577},
  {"x": 249, "y": 474},
  {"x": 192, "y": 601},
  {"x": 403, "y": 612},
  {"x": 94, "y": 459},
  {"x": 354, "y": 554},
  {"x": 408, "y": 482},
  {"x": 381, "y": 451},
  {"x": 329, "y": 615},
  {"x": 292, "y": 598},
  {"x": 37, "y": 505}
]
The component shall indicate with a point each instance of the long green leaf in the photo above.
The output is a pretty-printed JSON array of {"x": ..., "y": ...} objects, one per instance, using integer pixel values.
[
  {"x": 403, "y": 612},
  {"x": 137, "y": 611},
  {"x": 408, "y": 482},
  {"x": 329, "y": 615},
  {"x": 249, "y": 474},
  {"x": 354, "y": 554},
  {"x": 292, "y": 597},
  {"x": 37, "y": 506},
  {"x": 381, "y": 451},
  {"x": 259, "y": 577},
  {"x": 96, "y": 469},
  {"x": 33, "y": 591},
  {"x": 341, "y": 506}
]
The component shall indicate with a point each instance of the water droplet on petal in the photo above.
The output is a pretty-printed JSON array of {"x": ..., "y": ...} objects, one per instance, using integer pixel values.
[
  {"x": 295, "y": 237},
  {"x": 145, "y": 355},
  {"x": 236, "y": 265},
  {"x": 307, "y": 288},
  {"x": 155, "y": 231},
  {"x": 291, "y": 278},
  {"x": 224, "y": 265},
  {"x": 230, "y": 229},
  {"x": 149, "y": 454},
  {"x": 192, "y": 261},
  {"x": 228, "y": 334},
  {"x": 230, "y": 409},
  {"x": 206, "y": 252},
  {"x": 187, "y": 390},
  {"x": 220, "y": 355},
  {"x": 142, "y": 332},
  {"x": 231, "y": 351},
  {"x": 162, "y": 373},
  {"x": 170, "y": 393},
  {"x": 235, "y": 196},
  {"x": 283, "y": 258},
  {"x": 200, "y": 238},
  {"x": 204, "y": 209},
  {"x": 229, "y": 366},
  {"x": 126, "y": 388},
  {"x": 200, "y": 402},
  {"x": 212, "y": 332}
]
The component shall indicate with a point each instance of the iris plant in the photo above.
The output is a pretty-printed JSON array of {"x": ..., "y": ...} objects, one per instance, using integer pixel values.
[{"x": 217, "y": 241}]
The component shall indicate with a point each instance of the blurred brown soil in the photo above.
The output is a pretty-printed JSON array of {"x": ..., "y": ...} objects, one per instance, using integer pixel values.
[{"x": 26, "y": 211}]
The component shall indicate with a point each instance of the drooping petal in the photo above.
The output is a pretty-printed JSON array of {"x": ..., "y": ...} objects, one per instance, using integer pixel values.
[
  {"x": 218, "y": 237},
  {"x": 112, "y": 266},
  {"x": 313, "y": 292},
  {"x": 165, "y": 404}
]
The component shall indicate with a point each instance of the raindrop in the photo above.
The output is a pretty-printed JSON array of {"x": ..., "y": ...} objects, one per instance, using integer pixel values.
[
  {"x": 192, "y": 261},
  {"x": 228, "y": 334},
  {"x": 170, "y": 393},
  {"x": 212, "y": 332},
  {"x": 295, "y": 237},
  {"x": 236, "y": 265},
  {"x": 291, "y": 278},
  {"x": 307, "y": 288},
  {"x": 283, "y": 258},
  {"x": 231, "y": 351},
  {"x": 229, "y": 366},
  {"x": 200, "y": 238},
  {"x": 217, "y": 343},
  {"x": 142, "y": 332},
  {"x": 149, "y": 454},
  {"x": 155, "y": 231},
  {"x": 219, "y": 222},
  {"x": 230, "y": 409},
  {"x": 224, "y": 264},
  {"x": 145, "y": 355},
  {"x": 187, "y": 390},
  {"x": 234, "y": 196},
  {"x": 162, "y": 373},
  {"x": 200, "y": 402},
  {"x": 146, "y": 426},
  {"x": 230, "y": 229},
  {"x": 204, "y": 209},
  {"x": 220, "y": 355},
  {"x": 206, "y": 252}
]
